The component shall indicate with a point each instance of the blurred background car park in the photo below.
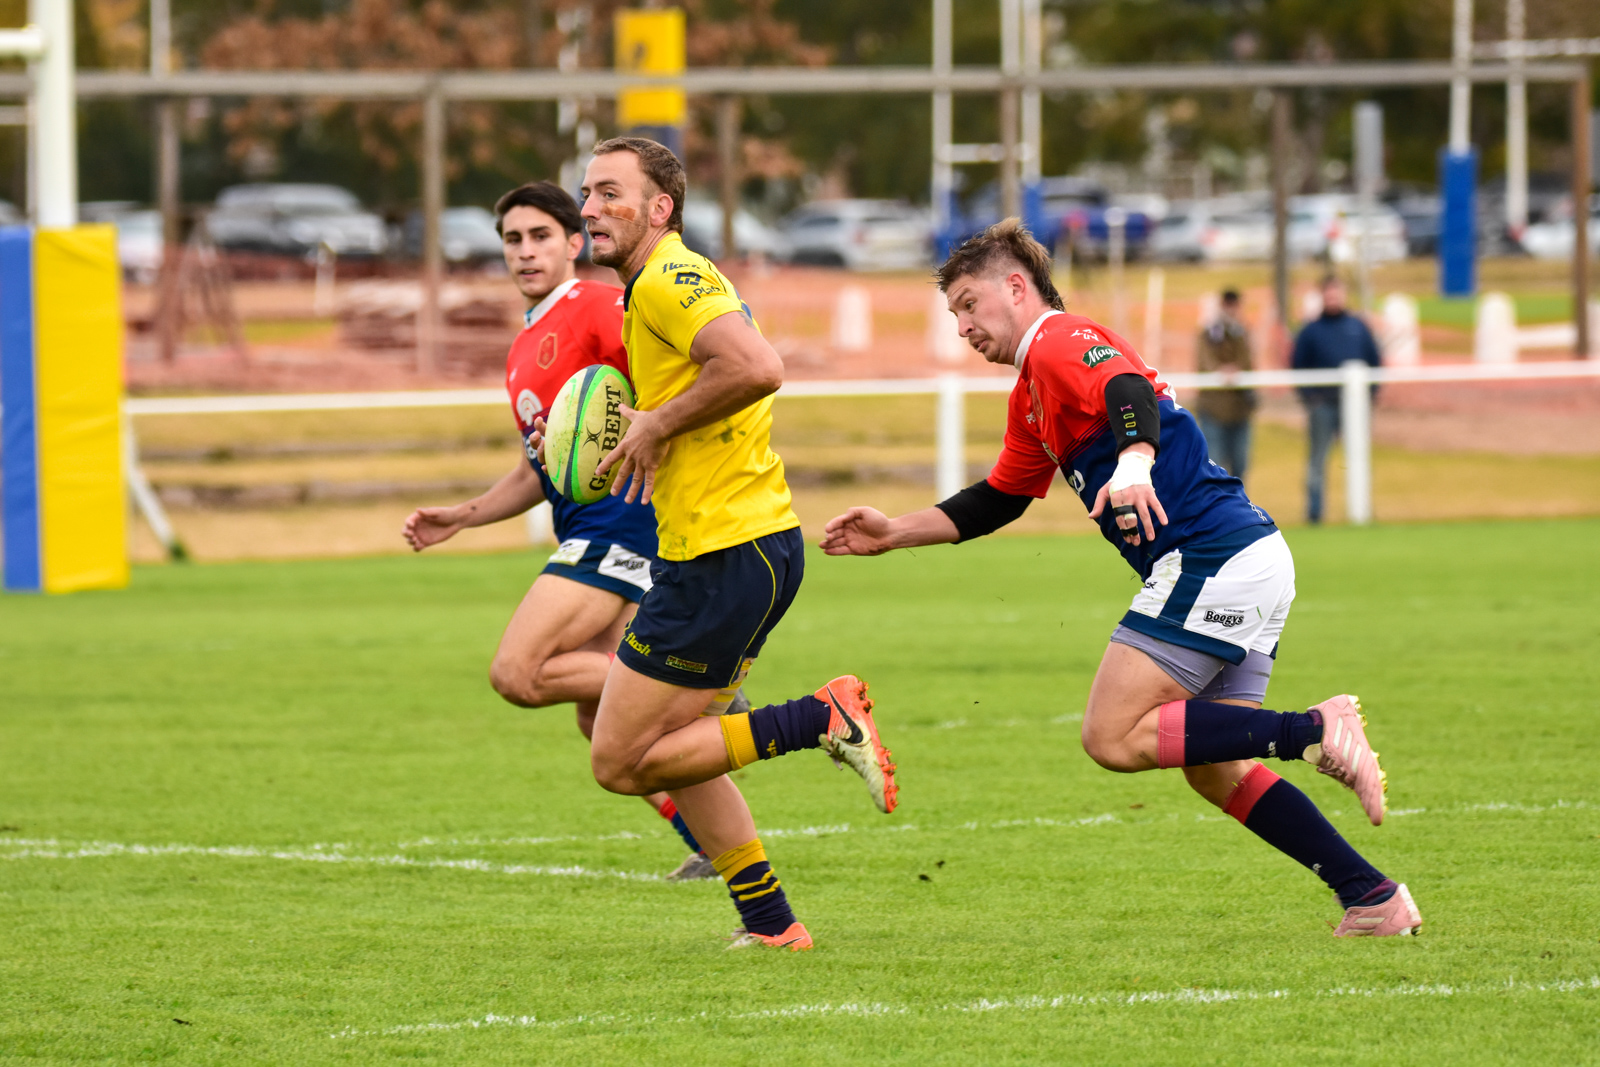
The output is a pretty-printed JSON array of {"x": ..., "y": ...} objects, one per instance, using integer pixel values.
[
  {"x": 859, "y": 234},
  {"x": 295, "y": 218}
]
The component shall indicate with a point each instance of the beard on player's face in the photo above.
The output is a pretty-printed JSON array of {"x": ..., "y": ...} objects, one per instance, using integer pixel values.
[{"x": 618, "y": 238}]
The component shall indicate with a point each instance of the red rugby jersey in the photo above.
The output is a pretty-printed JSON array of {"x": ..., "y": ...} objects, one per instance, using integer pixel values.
[
  {"x": 579, "y": 323},
  {"x": 1058, "y": 405}
]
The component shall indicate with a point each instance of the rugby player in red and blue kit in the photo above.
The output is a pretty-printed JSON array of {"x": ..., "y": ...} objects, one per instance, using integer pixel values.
[
  {"x": 1186, "y": 672},
  {"x": 560, "y": 642}
]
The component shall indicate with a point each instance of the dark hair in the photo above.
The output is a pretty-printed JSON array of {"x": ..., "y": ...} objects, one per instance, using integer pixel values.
[
  {"x": 1006, "y": 243},
  {"x": 1230, "y": 296},
  {"x": 548, "y": 197},
  {"x": 660, "y": 166},
  {"x": 1330, "y": 279}
]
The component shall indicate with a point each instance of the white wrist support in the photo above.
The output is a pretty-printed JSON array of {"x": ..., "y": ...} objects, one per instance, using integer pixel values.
[{"x": 1133, "y": 468}]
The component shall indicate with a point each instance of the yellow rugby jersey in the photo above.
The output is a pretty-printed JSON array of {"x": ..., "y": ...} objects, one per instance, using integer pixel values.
[{"x": 720, "y": 485}]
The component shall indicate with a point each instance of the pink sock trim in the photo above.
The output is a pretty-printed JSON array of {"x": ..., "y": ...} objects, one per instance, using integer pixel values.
[
  {"x": 1242, "y": 800},
  {"x": 1169, "y": 736}
]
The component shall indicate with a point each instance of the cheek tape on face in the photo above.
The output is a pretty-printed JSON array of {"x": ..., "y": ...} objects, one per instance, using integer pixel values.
[{"x": 620, "y": 211}]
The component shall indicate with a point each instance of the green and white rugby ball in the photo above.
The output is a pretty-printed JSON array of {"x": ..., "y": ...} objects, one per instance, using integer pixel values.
[{"x": 584, "y": 425}]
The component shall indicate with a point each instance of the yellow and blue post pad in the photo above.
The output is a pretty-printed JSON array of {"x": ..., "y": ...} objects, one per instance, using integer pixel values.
[{"x": 64, "y": 514}]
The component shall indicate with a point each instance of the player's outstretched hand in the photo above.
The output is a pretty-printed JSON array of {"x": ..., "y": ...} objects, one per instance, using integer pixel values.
[
  {"x": 637, "y": 456},
  {"x": 429, "y": 526},
  {"x": 1133, "y": 508},
  {"x": 858, "y": 532}
]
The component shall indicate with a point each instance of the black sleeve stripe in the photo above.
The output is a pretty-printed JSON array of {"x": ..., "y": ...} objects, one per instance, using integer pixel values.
[
  {"x": 1132, "y": 411},
  {"x": 981, "y": 509}
]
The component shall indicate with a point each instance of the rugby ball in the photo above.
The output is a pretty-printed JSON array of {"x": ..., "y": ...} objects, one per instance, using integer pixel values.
[{"x": 584, "y": 425}]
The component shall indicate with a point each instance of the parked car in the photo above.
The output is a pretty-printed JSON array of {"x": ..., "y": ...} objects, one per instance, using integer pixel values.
[
  {"x": 1553, "y": 239},
  {"x": 139, "y": 245},
  {"x": 1075, "y": 206},
  {"x": 702, "y": 232},
  {"x": 859, "y": 235},
  {"x": 1420, "y": 216},
  {"x": 295, "y": 218},
  {"x": 1222, "y": 230},
  {"x": 1332, "y": 225},
  {"x": 466, "y": 235}
]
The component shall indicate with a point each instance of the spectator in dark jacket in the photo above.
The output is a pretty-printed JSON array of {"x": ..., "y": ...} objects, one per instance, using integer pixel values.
[
  {"x": 1224, "y": 414},
  {"x": 1326, "y": 343}
]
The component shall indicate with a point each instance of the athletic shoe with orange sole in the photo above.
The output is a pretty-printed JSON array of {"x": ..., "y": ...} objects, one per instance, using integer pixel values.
[
  {"x": 795, "y": 939},
  {"x": 1397, "y": 916},
  {"x": 1344, "y": 754},
  {"x": 852, "y": 738}
]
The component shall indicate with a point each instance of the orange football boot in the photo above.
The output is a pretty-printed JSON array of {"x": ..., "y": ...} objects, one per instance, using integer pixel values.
[
  {"x": 795, "y": 939},
  {"x": 852, "y": 738}
]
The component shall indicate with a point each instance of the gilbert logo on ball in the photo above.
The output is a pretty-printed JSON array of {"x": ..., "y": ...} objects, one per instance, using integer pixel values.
[
  {"x": 585, "y": 424},
  {"x": 61, "y": 397}
]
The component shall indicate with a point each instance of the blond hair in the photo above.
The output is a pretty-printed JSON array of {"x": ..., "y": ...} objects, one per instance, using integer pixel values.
[{"x": 1005, "y": 244}]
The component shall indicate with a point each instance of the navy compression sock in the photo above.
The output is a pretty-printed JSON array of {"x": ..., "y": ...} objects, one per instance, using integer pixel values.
[
  {"x": 1197, "y": 732},
  {"x": 1285, "y": 818},
  {"x": 670, "y": 812},
  {"x": 788, "y": 727},
  {"x": 755, "y": 889}
]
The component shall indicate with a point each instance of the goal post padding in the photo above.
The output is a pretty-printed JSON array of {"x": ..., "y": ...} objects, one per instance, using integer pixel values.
[{"x": 61, "y": 337}]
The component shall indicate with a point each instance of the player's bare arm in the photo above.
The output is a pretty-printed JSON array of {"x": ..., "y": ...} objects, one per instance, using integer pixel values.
[
  {"x": 516, "y": 491},
  {"x": 737, "y": 368},
  {"x": 869, "y": 532}
]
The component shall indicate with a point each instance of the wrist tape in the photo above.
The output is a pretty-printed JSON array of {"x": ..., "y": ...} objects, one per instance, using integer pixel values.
[{"x": 1133, "y": 468}]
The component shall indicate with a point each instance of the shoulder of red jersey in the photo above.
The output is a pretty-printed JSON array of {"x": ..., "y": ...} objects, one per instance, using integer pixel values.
[
  {"x": 1070, "y": 345},
  {"x": 588, "y": 291},
  {"x": 585, "y": 298}
]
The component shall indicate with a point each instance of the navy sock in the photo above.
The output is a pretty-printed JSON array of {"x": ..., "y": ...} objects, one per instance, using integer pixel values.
[
  {"x": 797, "y": 724},
  {"x": 1285, "y": 818},
  {"x": 758, "y": 895},
  {"x": 683, "y": 831},
  {"x": 670, "y": 812},
  {"x": 1197, "y": 732}
]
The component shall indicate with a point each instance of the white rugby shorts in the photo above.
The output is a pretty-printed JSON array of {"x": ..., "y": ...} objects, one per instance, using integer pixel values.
[{"x": 1224, "y": 598}]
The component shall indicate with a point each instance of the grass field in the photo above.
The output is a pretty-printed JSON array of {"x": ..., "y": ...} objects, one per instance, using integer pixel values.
[{"x": 279, "y": 802}]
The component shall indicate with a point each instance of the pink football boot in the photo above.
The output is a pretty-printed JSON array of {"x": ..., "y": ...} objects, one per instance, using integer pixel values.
[
  {"x": 1345, "y": 754},
  {"x": 1396, "y": 916}
]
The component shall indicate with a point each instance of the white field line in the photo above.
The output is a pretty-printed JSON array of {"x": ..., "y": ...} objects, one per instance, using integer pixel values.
[
  {"x": 61, "y": 850},
  {"x": 12, "y": 848},
  {"x": 984, "y": 1006}
]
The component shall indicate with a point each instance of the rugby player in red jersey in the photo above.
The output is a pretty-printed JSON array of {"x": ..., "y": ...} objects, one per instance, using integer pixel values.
[
  {"x": 1186, "y": 672},
  {"x": 560, "y": 642}
]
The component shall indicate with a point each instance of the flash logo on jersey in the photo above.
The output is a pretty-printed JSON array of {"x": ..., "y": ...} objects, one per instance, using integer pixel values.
[{"x": 1087, "y": 335}]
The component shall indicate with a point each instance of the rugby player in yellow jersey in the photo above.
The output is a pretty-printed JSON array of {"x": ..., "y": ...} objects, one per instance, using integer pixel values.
[{"x": 730, "y": 554}]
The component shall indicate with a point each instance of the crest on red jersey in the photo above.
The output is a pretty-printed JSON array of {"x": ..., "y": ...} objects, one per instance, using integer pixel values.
[{"x": 547, "y": 351}]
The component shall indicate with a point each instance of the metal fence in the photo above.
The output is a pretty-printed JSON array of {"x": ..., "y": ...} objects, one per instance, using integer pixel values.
[{"x": 1355, "y": 381}]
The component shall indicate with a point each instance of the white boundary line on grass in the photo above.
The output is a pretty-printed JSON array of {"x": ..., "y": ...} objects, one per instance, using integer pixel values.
[
  {"x": 59, "y": 849},
  {"x": 982, "y": 1005}
]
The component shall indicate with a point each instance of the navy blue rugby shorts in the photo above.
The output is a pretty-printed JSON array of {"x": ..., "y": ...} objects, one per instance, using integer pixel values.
[
  {"x": 704, "y": 617},
  {"x": 602, "y": 564}
]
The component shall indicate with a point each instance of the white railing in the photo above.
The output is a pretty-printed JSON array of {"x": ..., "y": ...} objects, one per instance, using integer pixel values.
[{"x": 1355, "y": 380}]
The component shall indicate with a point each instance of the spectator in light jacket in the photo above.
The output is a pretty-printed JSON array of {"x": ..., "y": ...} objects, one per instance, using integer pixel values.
[
  {"x": 1225, "y": 413},
  {"x": 1328, "y": 342}
]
